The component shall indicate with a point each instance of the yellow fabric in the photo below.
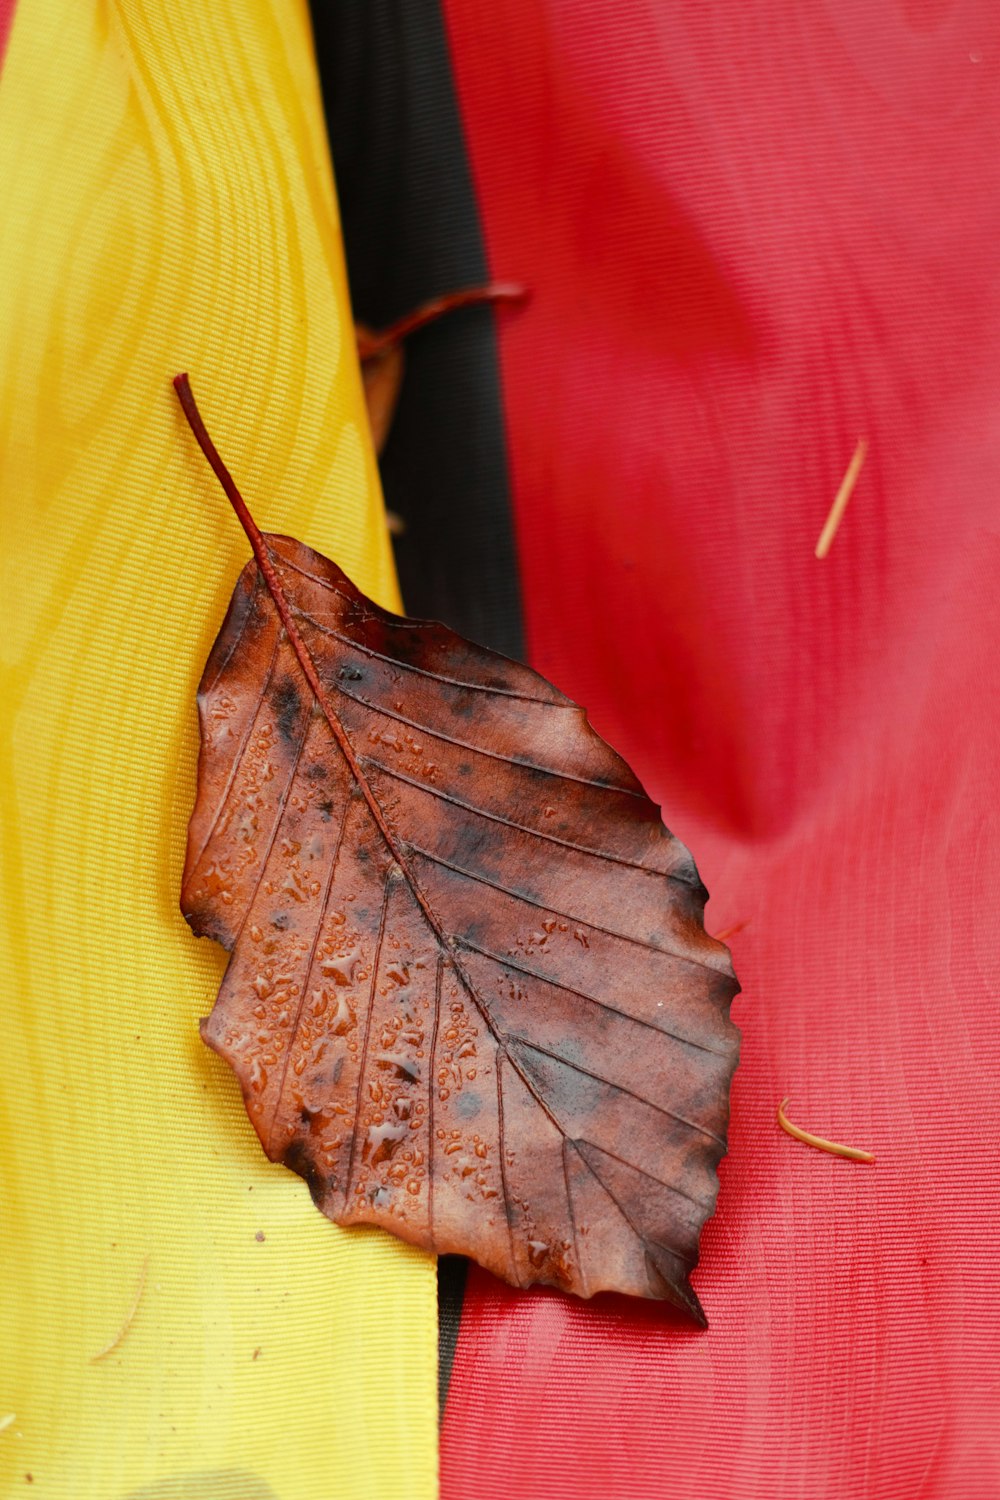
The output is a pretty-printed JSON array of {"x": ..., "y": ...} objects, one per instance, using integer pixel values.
[{"x": 166, "y": 204}]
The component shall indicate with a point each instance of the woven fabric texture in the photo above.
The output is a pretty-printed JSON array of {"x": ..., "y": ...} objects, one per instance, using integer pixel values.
[
  {"x": 167, "y": 204},
  {"x": 753, "y": 236}
]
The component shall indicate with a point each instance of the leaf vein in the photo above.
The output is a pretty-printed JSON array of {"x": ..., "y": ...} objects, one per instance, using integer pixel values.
[
  {"x": 669, "y": 1186},
  {"x": 508, "y": 963},
  {"x": 619, "y": 1088},
  {"x": 643, "y": 1239},
  {"x": 309, "y": 967},
  {"x": 278, "y": 815},
  {"x": 567, "y": 1143},
  {"x": 518, "y": 765},
  {"x": 409, "y": 666},
  {"x": 536, "y": 833},
  {"x": 432, "y": 1085},
  {"x": 373, "y": 990},
  {"x": 501, "y": 1139},
  {"x": 507, "y": 890}
]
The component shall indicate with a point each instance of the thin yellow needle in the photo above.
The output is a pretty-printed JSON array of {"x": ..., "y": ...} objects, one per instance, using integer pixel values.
[
  {"x": 833, "y": 1147},
  {"x": 841, "y": 498}
]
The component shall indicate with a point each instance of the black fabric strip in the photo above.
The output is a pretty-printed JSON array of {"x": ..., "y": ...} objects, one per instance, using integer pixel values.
[
  {"x": 411, "y": 232},
  {"x": 452, "y": 1273}
]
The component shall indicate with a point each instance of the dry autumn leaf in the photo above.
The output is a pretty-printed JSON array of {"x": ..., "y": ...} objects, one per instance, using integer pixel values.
[{"x": 471, "y": 998}]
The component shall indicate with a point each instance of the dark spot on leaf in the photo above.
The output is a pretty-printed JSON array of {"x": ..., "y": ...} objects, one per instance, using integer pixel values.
[
  {"x": 317, "y": 771},
  {"x": 287, "y": 706},
  {"x": 280, "y": 920},
  {"x": 326, "y": 811},
  {"x": 298, "y": 1158},
  {"x": 468, "y": 1105},
  {"x": 211, "y": 925}
]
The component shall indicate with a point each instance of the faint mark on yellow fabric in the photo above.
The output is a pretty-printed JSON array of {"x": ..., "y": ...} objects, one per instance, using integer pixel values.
[
  {"x": 218, "y": 1484},
  {"x": 129, "y": 1318}
]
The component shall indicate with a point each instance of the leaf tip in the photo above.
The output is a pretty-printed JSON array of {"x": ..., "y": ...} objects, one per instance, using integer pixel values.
[
  {"x": 694, "y": 1309},
  {"x": 667, "y": 1286}
]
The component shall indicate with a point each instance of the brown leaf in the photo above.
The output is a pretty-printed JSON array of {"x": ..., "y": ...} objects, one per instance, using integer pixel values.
[{"x": 471, "y": 998}]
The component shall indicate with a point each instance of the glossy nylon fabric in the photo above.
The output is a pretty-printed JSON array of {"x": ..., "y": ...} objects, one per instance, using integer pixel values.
[
  {"x": 753, "y": 235},
  {"x": 167, "y": 204}
]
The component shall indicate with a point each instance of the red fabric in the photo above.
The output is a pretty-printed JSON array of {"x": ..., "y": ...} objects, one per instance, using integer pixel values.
[
  {"x": 7, "y": 8},
  {"x": 754, "y": 234}
]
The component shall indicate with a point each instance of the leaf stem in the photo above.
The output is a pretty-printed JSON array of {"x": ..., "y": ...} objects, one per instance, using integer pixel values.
[
  {"x": 371, "y": 345},
  {"x": 182, "y": 385},
  {"x": 261, "y": 552}
]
